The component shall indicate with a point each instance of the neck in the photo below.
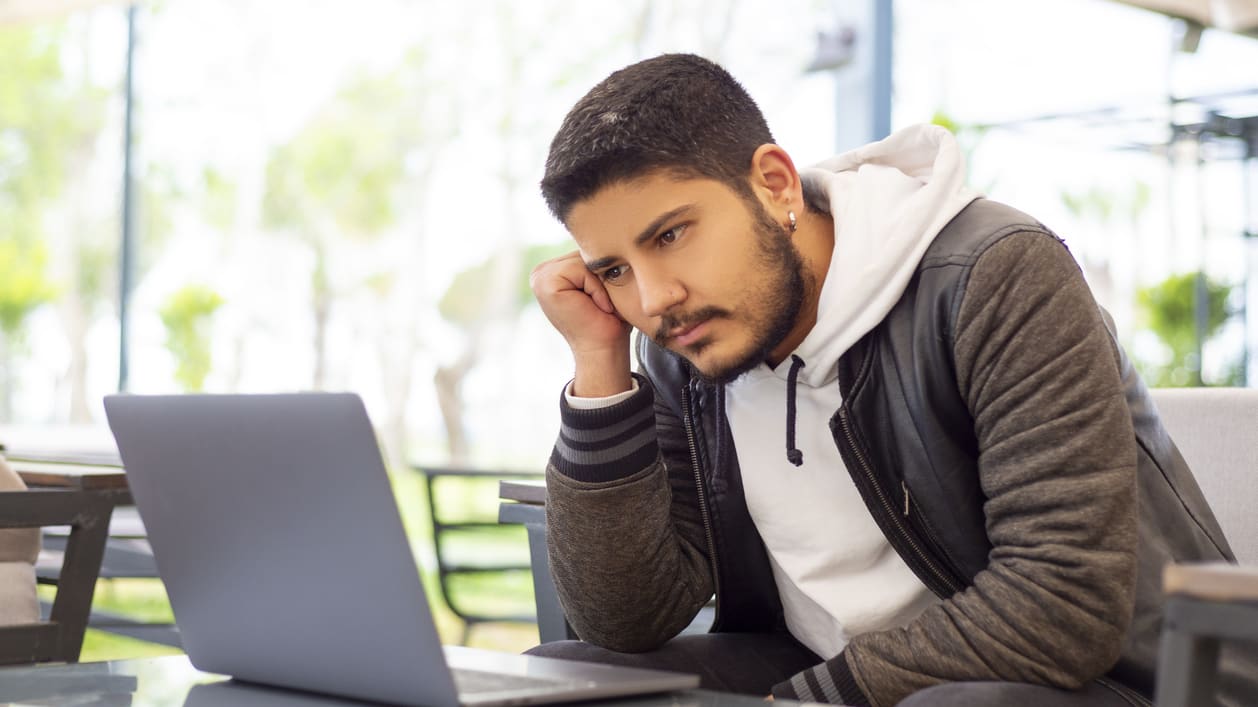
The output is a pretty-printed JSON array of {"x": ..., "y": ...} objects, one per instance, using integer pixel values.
[{"x": 815, "y": 241}]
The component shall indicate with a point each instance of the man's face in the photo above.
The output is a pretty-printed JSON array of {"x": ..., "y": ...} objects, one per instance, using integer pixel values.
[{"x": 697, "y": 267}]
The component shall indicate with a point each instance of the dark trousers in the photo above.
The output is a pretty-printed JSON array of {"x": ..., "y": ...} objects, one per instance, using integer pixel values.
[{"x": 753, "y": 663}]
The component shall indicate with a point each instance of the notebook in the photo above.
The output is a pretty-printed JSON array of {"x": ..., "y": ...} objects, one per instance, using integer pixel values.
[{"x": 275, "y": 530}]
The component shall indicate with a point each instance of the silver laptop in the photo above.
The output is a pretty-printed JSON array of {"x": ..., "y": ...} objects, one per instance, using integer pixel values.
[{"x": 275, "y": 530}]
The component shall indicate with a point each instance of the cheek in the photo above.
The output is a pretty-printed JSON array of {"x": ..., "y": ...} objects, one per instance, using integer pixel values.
[{"x": 625, "y": 300}]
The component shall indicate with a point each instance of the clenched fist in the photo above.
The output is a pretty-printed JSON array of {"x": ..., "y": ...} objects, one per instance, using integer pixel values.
[{"x": 578, "y": 306}]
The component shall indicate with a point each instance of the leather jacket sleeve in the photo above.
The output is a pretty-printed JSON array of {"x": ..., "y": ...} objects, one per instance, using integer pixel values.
[{"x": 627, "y": 546}]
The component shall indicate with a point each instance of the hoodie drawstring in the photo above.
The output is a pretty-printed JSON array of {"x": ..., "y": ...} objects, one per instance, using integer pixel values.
[{"x": 793, "y": 455}]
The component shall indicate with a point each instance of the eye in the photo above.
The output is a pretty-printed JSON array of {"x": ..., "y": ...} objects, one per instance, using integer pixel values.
[
  {"x": 671, "y": 235},
  {"x": 613, "y": 273}
]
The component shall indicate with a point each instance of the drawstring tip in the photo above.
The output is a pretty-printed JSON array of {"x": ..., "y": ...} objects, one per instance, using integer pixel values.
[{"x": 793, "y": 455}]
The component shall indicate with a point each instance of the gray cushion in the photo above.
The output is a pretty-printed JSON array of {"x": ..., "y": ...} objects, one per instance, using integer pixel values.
[{"x": 1216, "y": 429}]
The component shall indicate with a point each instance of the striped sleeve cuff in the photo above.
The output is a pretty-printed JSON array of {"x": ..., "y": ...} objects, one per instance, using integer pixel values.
[
  {"x": 832, "y": 682},
  {"x": 607, "y": 443}
]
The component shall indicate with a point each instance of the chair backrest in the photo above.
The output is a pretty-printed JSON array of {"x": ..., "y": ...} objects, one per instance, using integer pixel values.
[
  {"x": 1216, "y": 429},
  {"x": 26, "y": 639},
  {"x": 19, "y": 548}
]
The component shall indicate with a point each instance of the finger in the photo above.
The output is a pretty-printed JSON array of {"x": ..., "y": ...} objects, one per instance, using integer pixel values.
[
  {"x": 598, "y": 293},
  {"x": 546, "y": 268}
]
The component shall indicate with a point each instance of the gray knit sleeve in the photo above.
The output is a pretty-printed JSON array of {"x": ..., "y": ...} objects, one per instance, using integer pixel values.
[{"x": 626, "y": 546}]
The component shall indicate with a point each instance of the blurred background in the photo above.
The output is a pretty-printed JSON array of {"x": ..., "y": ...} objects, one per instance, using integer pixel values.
[{"x": 239, "y": 196}]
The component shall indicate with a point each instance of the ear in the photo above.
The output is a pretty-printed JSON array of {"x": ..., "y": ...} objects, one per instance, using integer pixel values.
[{"x": 774, "y": 179}]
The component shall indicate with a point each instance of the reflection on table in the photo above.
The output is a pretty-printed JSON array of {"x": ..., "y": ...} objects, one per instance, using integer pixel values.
[{"x": 172, "y": 681}]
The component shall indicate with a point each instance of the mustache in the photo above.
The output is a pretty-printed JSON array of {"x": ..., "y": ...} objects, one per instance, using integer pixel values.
[{"x": 669, "y": 322}]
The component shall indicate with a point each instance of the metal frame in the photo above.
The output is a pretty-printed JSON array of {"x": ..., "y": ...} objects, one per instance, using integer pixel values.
[
  {"x": 447, "y": 568},
  {"x": 1192, "y": 630},
  {"x": 552, "y": 624}
]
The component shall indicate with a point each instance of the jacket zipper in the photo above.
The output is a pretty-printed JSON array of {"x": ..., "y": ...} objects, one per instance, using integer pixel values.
[
  {"x": 890, "y": 513},
  {"x": 688, "y": 421}
]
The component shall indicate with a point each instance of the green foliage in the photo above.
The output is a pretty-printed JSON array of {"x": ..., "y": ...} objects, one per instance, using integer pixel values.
[
  {"x": 944, "y": 120},
  {"x": 187, "y": 316},
  {"x": 219, "y": 201},
  {"x": 1169, "y": 310},
  {"x": 43, "y": 118},
  {"x": 344, "y": 164},
  {"x": 971, "y": 132},
  {"x": 23, "y": 285},
  {"x": 968, "y": 135},
  {"x": 96, "y": 268},
  {"x": 466, "y": 301},
  {"x": 158, "y": 192},
  {"x": 48, "y": 122},
  {"x": 1102, "y": 205}
]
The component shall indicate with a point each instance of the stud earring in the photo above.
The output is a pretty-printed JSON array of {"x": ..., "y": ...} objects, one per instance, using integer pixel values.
[{"x": 794, "y": 224}]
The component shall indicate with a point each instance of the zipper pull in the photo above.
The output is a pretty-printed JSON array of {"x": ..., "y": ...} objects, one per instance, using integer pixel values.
[{"x": 905, "y": 488}]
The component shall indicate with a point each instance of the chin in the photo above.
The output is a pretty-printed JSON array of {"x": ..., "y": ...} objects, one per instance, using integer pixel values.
[{"x": 722, "y": 372}]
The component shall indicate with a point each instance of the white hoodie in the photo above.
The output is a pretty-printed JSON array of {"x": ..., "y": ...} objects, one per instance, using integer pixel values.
[{"x": 837, "y": 575}]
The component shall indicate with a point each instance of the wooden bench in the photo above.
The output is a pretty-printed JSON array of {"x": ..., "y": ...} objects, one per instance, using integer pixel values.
[
  {"x": 86, "y": 512},
  {"x": 126, "y": 554}
]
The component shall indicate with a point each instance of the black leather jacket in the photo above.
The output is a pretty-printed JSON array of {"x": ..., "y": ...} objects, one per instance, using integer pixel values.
[{"x": 908, "y": 440}]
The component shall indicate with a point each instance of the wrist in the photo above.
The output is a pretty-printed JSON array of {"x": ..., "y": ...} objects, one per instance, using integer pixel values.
[{"x": 601, "y": 374}]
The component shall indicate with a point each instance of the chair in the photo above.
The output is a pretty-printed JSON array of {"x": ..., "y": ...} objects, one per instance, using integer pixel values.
[
  {"x": 457, "y": 562},
  {"x": 1206, "y": 604},
  {"x": 1216, "y": 430},
  {"x": 127, "y": 554},
  {"x": 59, "y": 639},
  {"x": 524, "y": 503}
]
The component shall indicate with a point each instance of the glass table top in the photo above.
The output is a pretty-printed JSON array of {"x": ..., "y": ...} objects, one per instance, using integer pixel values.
[{"x": 171, "y": 681}]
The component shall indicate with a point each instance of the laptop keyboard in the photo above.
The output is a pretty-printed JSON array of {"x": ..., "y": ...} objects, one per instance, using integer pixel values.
[{"x": 472, "y": 682}]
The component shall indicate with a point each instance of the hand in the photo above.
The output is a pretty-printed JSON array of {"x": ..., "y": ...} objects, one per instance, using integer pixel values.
[{"x": 578, "y": 306}]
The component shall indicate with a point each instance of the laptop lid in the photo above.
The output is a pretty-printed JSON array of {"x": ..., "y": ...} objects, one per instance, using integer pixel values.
[{"x": 275, "y": 530}]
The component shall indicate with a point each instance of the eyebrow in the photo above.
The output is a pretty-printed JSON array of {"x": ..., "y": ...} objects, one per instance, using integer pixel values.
[{"x": 646, "y": 235}]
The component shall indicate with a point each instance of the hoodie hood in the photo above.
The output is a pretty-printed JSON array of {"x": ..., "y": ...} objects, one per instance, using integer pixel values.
[{"x": 889, "y": 199}]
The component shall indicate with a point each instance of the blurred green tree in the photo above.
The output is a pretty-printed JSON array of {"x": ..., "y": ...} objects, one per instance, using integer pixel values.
[
  {"x": 1169, "y": 311},
  {"x": 188, "y": 315},
  {"x": 470, "y": 303},
  {"x": 362, "y": 161},
  {"x": 495, "y": 291},
  {"x": 50, "y": 117},
  {"x": 23, "y": 289},
  {"x": 969, "y": 136},
  {"x": 339, "y": 176}
]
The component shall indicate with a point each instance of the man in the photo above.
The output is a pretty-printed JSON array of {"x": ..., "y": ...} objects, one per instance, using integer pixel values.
[{"x": 880, "y": 418}]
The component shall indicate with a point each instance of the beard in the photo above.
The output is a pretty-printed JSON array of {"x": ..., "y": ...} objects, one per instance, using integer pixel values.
[{"x": 770, "y": 310}]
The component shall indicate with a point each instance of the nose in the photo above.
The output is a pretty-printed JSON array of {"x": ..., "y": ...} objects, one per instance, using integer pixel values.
[{"x": 659, "y": 292}]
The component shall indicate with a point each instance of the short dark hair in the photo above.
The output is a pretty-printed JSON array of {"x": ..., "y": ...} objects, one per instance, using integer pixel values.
[{"x": 677, "y": 112}]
